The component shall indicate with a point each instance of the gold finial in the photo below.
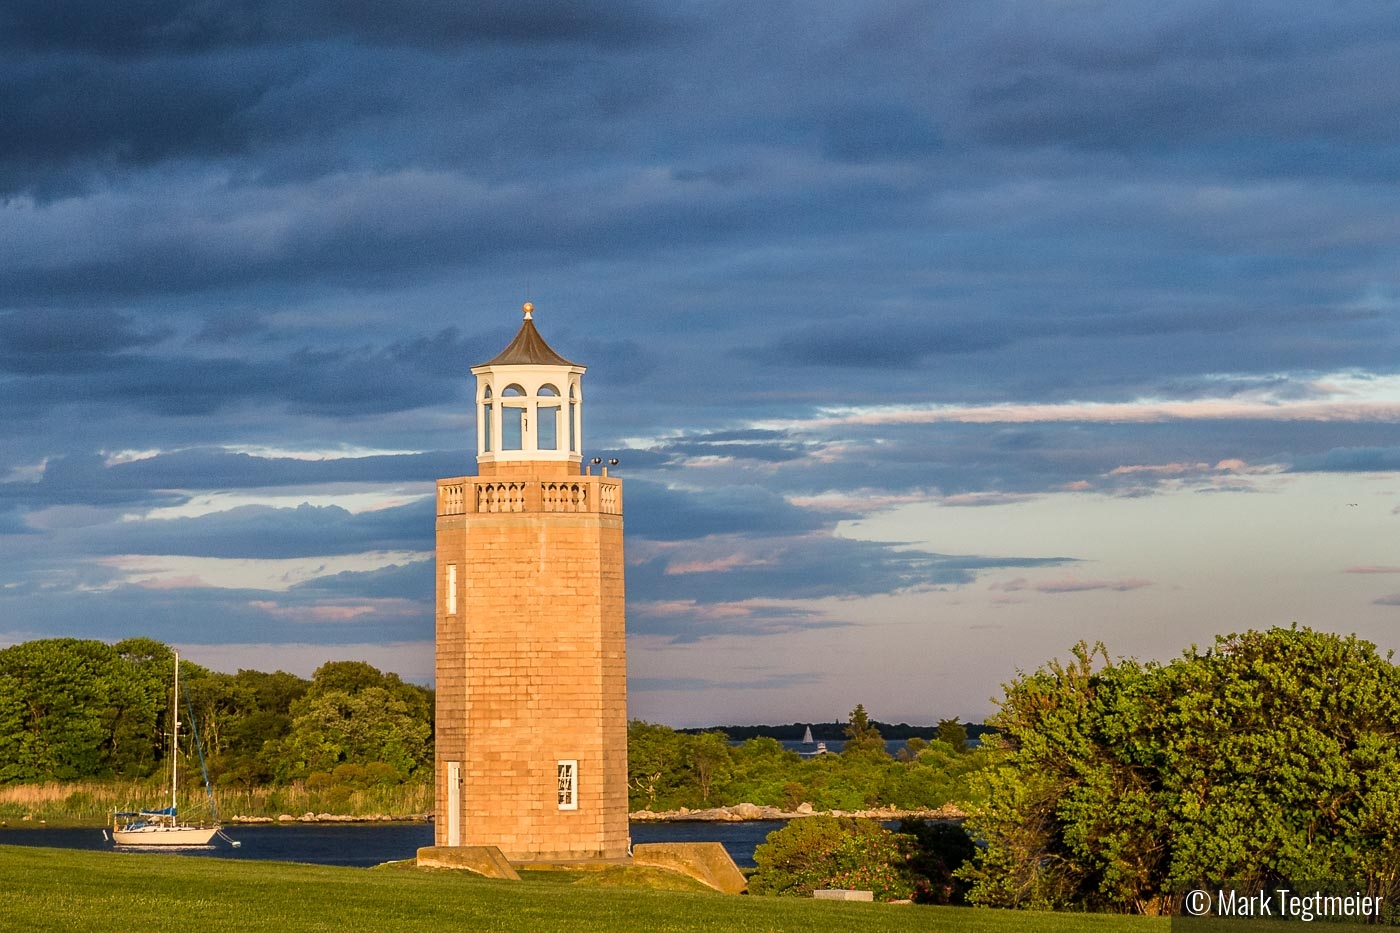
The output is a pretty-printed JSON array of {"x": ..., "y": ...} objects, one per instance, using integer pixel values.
[{"x": 529, "y": 309}]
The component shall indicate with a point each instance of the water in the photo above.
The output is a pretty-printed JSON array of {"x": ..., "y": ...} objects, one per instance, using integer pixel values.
[
  {"x": 359, "y": 845},
  {"x": 363, "y": 845},
  {"x": 833, "y": 746},
  {"x": 738, "y": 839}
]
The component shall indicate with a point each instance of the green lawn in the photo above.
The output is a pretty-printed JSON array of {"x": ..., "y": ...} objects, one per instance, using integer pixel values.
[{"x": 60, "y": 889}]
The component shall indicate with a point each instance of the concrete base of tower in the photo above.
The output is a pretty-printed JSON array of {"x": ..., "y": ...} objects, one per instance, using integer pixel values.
[
  {"x": 483, "y": 860},
  {"x": 706, "y": 862}
]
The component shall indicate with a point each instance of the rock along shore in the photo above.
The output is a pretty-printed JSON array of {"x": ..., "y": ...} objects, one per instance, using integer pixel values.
[
  {"x": 748, "y": 811},
  {"x": 309, "y": 817}
]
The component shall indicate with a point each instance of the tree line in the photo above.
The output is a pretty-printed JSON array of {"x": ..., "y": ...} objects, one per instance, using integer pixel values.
[
  {"x": 836, "y": 731},
  {"x": 669, "y": 769},
  {"x": 75, "y": 709}
]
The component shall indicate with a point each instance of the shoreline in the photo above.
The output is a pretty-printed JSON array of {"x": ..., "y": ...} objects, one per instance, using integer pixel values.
[
  {"x": 309, "y": 817},
  {"x": 737, "y": 813},
  {"x": 748, "y": 812}
]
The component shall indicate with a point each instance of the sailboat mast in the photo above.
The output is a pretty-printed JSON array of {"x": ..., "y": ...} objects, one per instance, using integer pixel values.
[{"x": 175, "y": 741}]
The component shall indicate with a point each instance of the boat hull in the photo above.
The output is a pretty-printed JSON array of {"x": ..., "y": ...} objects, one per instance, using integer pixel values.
[{"x": 164, "y": 836}]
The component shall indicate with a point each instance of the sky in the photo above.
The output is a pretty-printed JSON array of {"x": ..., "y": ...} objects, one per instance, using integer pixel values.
[{"x": 932, "y": 337}]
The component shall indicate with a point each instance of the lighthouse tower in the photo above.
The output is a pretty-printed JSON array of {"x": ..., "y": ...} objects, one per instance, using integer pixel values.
[{"x": 531, "y": 734}]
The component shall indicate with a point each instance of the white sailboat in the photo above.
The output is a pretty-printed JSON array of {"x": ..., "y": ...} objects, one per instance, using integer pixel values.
[
  {"x": 162, "y": 827},
  {"x": 807, "y": 736}
]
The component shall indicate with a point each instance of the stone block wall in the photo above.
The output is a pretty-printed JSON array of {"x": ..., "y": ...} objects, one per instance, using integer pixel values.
[{"x": 532, "y": 670}]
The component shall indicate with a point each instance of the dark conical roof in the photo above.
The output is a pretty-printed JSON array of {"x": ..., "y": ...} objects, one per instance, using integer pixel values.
[{"x": 528, "y": 348}]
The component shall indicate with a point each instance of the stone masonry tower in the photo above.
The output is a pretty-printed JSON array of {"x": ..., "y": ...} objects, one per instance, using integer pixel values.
[{"x": 531, "y": 653}]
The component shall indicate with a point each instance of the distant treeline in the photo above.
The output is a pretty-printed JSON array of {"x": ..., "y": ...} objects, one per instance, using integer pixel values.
[
  {"x": 669, "y": 769},
  {"x": 835, "y": 731}
]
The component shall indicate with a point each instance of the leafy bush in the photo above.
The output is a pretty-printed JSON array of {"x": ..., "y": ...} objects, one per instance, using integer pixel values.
[
  {"x": 835, "y": 852},
  {"x": 1268, "y": 759}
]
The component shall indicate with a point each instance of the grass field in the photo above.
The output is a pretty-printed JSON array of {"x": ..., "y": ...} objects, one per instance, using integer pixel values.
[{"x": 58, "y": 889}]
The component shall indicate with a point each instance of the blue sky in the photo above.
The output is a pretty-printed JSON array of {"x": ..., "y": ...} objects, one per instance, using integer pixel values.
[{"x": 932, "y": 337}]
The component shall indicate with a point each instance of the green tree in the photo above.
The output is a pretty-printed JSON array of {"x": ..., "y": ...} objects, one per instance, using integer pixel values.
[
  {"x": 1270, "y": 758},
  {"x": 72, "y": 708},
  {"x": 862, "y": 738},
  {"x": 257, "y": 717},
  {"x": 954, "y": 733},
  {"x": 655, "y": 756},
  {"x": 336, "y": 727},
  {"x": 354, "y": 714},
  {"x": 710, "y": 761}
]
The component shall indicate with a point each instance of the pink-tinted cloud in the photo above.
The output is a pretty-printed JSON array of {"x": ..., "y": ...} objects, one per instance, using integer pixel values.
[
  {"x": 718, "y": 565},
  {"x": 1373, "y": 568},
  {"x": 691, "y": 609},
  {"x": 1070, "y": 585},
  {"x": 974, "y": 499},
  {"x": 339, "y": 611},
  {"x": 1164, "y": 469},
  {"x": 1233, "y": 466}
]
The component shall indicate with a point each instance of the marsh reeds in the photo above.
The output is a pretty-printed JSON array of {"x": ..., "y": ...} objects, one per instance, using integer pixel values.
[{"x": 91, "y": 802}]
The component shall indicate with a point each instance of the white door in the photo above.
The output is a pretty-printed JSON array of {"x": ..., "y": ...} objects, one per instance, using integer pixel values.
[{"x": 454, "y": 803}]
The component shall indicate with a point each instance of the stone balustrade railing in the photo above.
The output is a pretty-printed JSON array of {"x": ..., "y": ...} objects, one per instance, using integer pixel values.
[{"x": 466, "y": 494}]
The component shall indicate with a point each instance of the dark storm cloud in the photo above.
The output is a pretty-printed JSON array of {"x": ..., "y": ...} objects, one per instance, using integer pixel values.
[
  {"x": 882, "y": 343},
  {"x": 685, "y": 599},
  {"x": 121, "y": 30},
  {"x": 941, "y": 331},
  {"x": 260, "y": 531},
  {"x": 78, "y": 341},
  {"x": 206, "y": 468},
  {"x": 815, "y": 566},
  {"x": 274, "y": 226},
  {"x": 1350, "y": 460},
  {"x": 333, "y": 381},
  {"x": 411, "y": 581},
  {"x": 130, "y": 113},
  {"x": 260, "y": 85},
  {"x": 1134, "y": 76},
  {"x": 665, "y": 514},
  {"x": 167, "y": 479},
  {"x": 197, "y": 614},
  {"x": 613, "y": 362},
  {"x": 762, "y": 445},
  {"x": 682, "y": 625},
  {"x": 81, "y": 479},
  {"x": 376, "y": 228}
]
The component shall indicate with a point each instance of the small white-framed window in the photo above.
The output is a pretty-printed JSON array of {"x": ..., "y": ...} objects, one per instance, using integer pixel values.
[
  {"x": 568, "y": 785},
  {"x": 449, "y": 598}
]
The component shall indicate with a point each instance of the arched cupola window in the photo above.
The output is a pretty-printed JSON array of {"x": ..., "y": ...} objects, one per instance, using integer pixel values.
[{"x": 547, "y": 418}]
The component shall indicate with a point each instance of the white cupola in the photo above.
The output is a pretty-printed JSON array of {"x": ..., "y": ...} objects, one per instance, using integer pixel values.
[{"x": 529, "y": 407}]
